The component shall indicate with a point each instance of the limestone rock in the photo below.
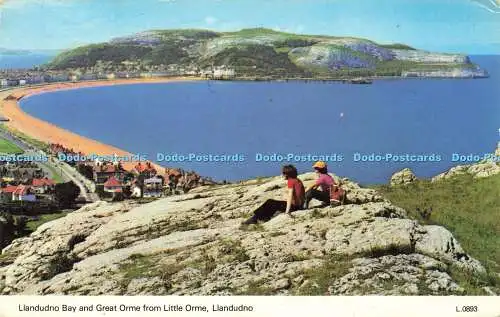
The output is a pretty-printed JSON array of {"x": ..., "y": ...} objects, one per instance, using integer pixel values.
[
  {"x": 454, "y": 171},
  {"x": 438, "y": 242},
  {"x": 193, "y": 244},
  {"x": 485, "y": 168},
  {"x": 393, "y": 275},
  {"x": 2, "y": 279},
  {"x": 403, "y": 177}
]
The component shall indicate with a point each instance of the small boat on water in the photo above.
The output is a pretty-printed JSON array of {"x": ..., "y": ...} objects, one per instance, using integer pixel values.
[{"x": 360, "y": 81}]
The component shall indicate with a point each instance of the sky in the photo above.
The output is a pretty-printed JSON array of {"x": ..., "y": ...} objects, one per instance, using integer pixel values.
[{"x": 456, "y": 26}]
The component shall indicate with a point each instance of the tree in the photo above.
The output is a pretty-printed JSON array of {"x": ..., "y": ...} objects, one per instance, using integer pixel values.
[
  {"x": 66, "y": 194},
  {"x": 11, "y": 227},
  {"x": 7, "y": 229},
  {"x": 140, "y": 182},
  {"x": 86, "y": 170}
]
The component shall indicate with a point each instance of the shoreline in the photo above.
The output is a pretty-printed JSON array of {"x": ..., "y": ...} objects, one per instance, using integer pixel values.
[
  {"x": 49, "y": 133},
  {"x": 46, "y": 132}
]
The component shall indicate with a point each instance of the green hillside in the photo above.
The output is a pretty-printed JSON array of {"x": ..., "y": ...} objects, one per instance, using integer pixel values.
[{"x": 257, "y": 52}]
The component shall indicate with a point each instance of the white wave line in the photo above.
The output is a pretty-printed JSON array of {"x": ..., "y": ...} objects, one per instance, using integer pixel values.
[
  {"x": 482, "y": 5},
  {"x": 495, "y": 3}
]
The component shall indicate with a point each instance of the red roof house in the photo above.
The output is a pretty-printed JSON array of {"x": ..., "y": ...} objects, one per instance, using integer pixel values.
[
  {"x": 103, "y": 172},
  {"x": 42, "y": 182},
  {"x": 112, "y": 185},
  {"x": 9, "y": 189},
  {"x": 146, "y": 168},
  {"x": 42, "y": 185},
  {"x": 24, "y": 193}
]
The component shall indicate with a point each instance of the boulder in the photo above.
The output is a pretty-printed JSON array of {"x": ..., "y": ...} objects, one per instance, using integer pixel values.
[
  {"x": 436, "y": 241},
  {"x": 479, "y": 170},
  {"x": 454, "y": 171},
  {"x": 485, "y": 168},
  {"x": 403, "y": 177}
]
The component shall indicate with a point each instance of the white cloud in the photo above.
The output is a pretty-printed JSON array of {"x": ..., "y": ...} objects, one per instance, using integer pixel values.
[
  {"x": 16, "y": 4},
  {"x": 299, "y": 28},
  {"x": 210, "y": 20}
]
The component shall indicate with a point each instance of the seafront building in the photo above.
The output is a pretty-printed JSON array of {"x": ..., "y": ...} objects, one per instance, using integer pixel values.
[{"x": 22, "y": 77}]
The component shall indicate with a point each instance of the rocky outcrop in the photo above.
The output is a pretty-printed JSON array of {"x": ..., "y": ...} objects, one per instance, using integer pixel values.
[
  {"x": 479, "y": 170},
  {"x": 489, "y": 166},
  {"x": 403, "y": 177},
  {"x": 429, "y": 57},
  {"x": 328, "y": 56},
  {"x": 193, "y": 244}
]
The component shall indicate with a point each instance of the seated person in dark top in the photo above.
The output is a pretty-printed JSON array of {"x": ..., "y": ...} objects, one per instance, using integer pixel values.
[
  {"x": 294, "y": 198},
  {"x": 324, "y": 181}
]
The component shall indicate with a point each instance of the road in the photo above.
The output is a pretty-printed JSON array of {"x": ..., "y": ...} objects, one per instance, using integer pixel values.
[{"x": 67, "y": 173}]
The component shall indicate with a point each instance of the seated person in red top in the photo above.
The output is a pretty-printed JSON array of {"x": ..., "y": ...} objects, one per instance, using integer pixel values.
[
  {"x": 324, "y": 181},
  {"x": 294, "y": 198}
]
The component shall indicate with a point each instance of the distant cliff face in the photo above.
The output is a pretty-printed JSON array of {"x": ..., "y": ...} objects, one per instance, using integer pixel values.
[
  {"x": 427, "y": 57},
  {"x": 450, "y": 73},
  {"x": 193, "y": 245},
  {"x": 255, "y": 52}
]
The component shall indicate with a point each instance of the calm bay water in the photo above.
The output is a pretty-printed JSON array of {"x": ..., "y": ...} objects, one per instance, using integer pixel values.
[
  {"x": 24, "y": 60},
  {"x": 429, "y": 116}
]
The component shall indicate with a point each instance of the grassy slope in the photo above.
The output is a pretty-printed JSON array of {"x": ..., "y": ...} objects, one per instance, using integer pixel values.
[
  {"x": 397, "y": 46},
  {"x": 469, "y": 208},
  {"x": 56, "y": 174},
  {"x": 33, "y": 225},
  {"x": 8, "y": 147},
  {"x": 38, "y": 144}
]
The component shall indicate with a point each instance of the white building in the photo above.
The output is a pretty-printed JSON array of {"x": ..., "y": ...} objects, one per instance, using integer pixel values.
[
  {"x": 136, "y": 191},
  {"x": 153, "y": 187},
  {"x": 223, "y": 73},
  {"x": 4, "y": 82},
  {"x": 22, "y": 82}
]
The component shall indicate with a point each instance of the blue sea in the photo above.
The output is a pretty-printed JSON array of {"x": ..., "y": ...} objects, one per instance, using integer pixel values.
[
  {"x": 29, "y": 60},
  {"x": 433, "y": 118}
]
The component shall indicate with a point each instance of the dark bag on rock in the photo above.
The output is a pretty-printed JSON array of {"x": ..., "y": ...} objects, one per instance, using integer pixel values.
[{"x": 337, "y": 195}]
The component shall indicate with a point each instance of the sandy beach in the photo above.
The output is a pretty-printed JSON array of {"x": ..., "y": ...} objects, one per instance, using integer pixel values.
[{"x": 49, "y": 133}]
